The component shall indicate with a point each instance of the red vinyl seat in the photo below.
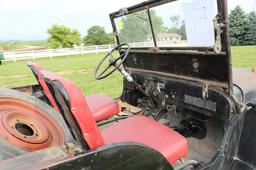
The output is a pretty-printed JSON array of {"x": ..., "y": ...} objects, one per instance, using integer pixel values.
[
  {"x": 102, "y": 107},
  {"x": 149, "y": 132},
  {"x": 93, "y": 108}
]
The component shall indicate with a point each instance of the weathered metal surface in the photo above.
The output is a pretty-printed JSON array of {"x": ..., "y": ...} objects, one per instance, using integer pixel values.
[
  {"x": 246, "y": 151},
  {"x": 37, "y": 159},
  {"x": 125, "y": 156},
  {"x": 216, "y": 104},
  {"x": 197, "y": 62},
  {"x": 200, "y": 81},
  {"x": 199, "y": 65},
  {"x": 26, "y": 126},
  {"x": 138, "y": 7}
]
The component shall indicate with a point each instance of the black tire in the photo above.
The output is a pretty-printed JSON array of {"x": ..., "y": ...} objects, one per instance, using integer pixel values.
[{"x": 8, "y": 150}]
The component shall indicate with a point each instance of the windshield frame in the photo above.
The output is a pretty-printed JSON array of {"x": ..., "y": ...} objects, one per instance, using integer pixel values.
[
  {"x": 222, "y": 7},
  {"x": 147, "y": 5}
]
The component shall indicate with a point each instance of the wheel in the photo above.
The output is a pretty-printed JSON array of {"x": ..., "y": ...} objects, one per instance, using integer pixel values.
[{"x": 28, "y": 124}]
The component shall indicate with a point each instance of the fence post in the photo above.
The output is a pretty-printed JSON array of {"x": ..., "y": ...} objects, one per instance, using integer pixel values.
[
  {"x": 82, "y": 48},
  {"x": 96, "y": 48},
  {"x": 14, "y": 57},
  {"x": 66, "y": 51},
  {"x": 50, "y": 53},
  {"x": 33, "y": 55}
]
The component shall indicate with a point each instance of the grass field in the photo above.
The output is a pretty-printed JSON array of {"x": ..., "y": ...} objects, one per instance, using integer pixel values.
[
  {"x": 76, "y": 68},
  {"x": 22, "y": 45},
  {"x": 244, "y": 57},
  {"x": 80, "y": 70}
]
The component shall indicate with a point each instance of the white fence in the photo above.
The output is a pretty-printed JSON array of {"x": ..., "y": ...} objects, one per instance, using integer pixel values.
[{"x": 50, "y": 53}]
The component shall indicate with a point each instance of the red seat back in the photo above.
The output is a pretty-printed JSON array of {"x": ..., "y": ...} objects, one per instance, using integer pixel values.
[
  {"x": 38, "y": 73},
  {"x": 78, "y": 105}
]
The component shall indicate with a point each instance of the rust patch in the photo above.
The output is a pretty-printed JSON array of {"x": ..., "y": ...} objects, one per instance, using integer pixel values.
[
  {"x": 254, "y": 70},
  {"x": 28, "y": 127}
]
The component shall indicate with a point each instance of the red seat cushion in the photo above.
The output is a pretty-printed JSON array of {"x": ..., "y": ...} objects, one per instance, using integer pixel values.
[
  {"x": 102, "y": 107},
  {"x": 149, "y": 132}
]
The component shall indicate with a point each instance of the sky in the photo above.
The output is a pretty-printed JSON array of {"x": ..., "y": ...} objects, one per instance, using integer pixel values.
[{"x": 30, "y": 19}]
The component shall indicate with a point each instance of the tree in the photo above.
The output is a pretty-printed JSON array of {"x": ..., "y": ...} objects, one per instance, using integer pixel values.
[
  {"x": 136, "y": 27},
  {"x": 175, "y": 21},
  {"x": 250, "y": 29},
  {"x": 62, "y": 36},
  {"x": 157, "y": 21},
  {"x": 178, "y": 26},
  {"x": 237, "y": 26},
  {"x": 111, "y": 38},
  {"x": 182, "y": 30},
  {"x": 96, "y": 35}
]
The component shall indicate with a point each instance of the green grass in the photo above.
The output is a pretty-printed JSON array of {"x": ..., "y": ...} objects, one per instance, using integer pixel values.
[
  {"x": 22, "y": 45},
  {"x": 244, "y": 57},
  {"x": 80, "y": 70},
  {"x": 76, "y": 68}
]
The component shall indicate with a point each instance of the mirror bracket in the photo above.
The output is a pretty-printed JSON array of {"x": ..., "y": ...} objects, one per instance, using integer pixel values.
[
  {"x": 218, "y": 29},
  {"x": 122, "y": 12}
]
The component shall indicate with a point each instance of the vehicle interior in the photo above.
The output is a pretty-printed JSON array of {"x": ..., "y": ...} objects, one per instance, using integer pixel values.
[
  {"x": 177, "y": 89},
  {"x": 175, "y": 99}
]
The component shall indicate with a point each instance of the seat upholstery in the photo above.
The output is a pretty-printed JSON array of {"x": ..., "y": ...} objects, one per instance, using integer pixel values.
[
  {"x": 134, "y": 129},
  {"x": 102, "y": 107},
  {"x": 150, "y": 133}
]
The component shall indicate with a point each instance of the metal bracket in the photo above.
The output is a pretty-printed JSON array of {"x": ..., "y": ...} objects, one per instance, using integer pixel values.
[
  {"x": 72, "y": 149},
  {"x": 205, "y": 91},
  {"x": 122, "y": 12},
  {"x": 218, "y": 28}
]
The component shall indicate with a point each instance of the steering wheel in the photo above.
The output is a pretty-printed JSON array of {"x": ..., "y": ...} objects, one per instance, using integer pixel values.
[{"x": 113, "y": 62}]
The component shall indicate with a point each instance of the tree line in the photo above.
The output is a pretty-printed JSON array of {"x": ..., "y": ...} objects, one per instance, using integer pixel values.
[
  {"x": 135, "y": 28},
  {"x": 242, "y": 27},
  {"x": 64, "y": 37}
]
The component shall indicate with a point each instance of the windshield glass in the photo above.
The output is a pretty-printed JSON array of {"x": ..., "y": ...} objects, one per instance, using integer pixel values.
[
  {"x": 179, "y": 23},
  {"x": 134, "y": 29}
]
